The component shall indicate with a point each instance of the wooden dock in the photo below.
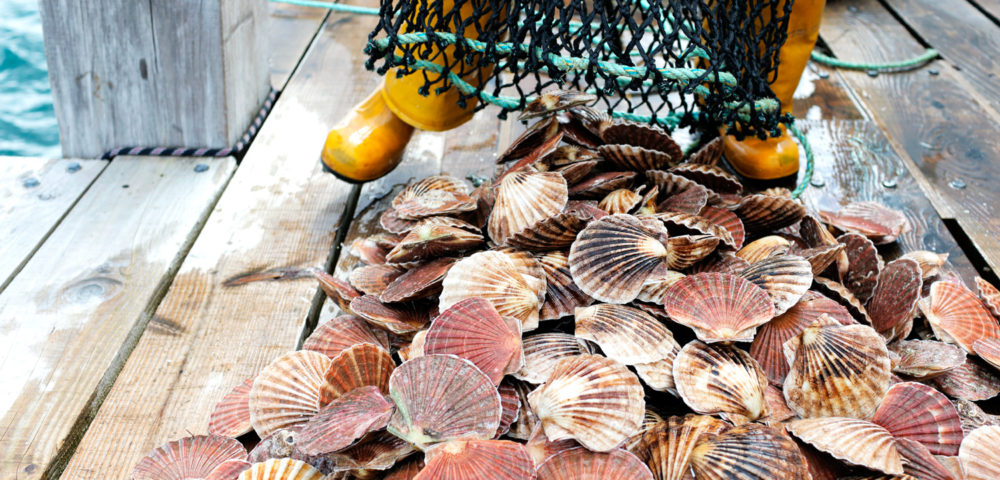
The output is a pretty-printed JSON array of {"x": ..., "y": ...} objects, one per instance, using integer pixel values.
[{"x": 120, "y": 331}]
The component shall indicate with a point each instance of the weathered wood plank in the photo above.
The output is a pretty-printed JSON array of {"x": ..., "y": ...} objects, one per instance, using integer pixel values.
[
  {"x": 820, "y": 95},
  {"x": 154, "y": 73},
  {"x": 991, "y": 7},
  {"x": 73, "y": 313},
  {"x": 35, "y": 194},
  {"x": 944, "y": 135},
  {"x": 290, "y": 31},
  {"x": 279, "y": 213}
]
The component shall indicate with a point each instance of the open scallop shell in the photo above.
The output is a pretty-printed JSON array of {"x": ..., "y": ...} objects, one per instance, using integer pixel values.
[
  {"x": 764, "y": 247},
  {"x": 666, "y": 447},
  {"x": 820, "y": 257},
  {"x": 727, "y": 220},
  {"x": 523, "y": 199},
  {"x": 749, "y": 452},
  {"x": 436, "y": 195},
  {"x": 920, "y": 413},
  {"x": 554, "y": 101},
  {"x": 636, "y": 159},
  {"x": 969, "y": 381},
  {"x": 920, "y": 463},
  {"x": 840, "y": 370},
  {"x": 340, "y": 333},
  {"x": 467, "y": 459},
  {"x": 612, "y": 258},
  {"x": 592, "y": 399},
  {"x": 188, "y": 457},
  {"x": 873, "y": 220},
  {"x": 785, "y": 278},
  {"x": 709, "y": 153},
  {"x": 552, "y": 233},
  {"x": 718, "y": 306},
  {"x": 843, "y": 296},
  {"x": 766, "y": 213},
  {"x": 281, "y": 469},
  {"x": 596, "y": 186},
  {"x": 721, "y": 379},
  {"x": 620, "y": 201},
  {"x": 362, "y": 365},
  {"x": 231, "y": 416},
  {"x": 390, "y": 221},
  {"x": 472, "y": 329},
  {"x": 344, "y": 420},
  {"x": 625, "y": 334},
  {"x": 857, "y": 442},
  {"x": 494, "y": 277},
  {"x": 420, "y": 282},
  {"x": 925, "y": 359},
  {"x": 711, "y": 176},
  {"x": 373, "y": 279},
  {"x": 435, "y": 237},
  {"x": 864, "y": 266},
  {"x": 287, "y": 392},
  {"x": 562, "y": 296},
  {"x": 892, "y": 306},
  {"x": 440, "y": 398},
  {"x": 686, "y": 250},
  {"x": 582, "y": 464},
  {"x": 398, "y": 318},
  {"x": 978, "y": 454},
  {"x": 679, "y": 223},
  {"x": 536, "y": 134},
  {"x": 957, "y": 316},
  {"x": 639, "y": 134},
  {"x": 543, "y": 351}
]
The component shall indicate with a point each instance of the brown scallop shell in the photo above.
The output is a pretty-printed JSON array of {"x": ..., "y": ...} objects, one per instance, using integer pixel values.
[
  {"x": 612, "y": 258},
  {"x": 472, "y": 329},
  {"x": 720, "y": 263},
  {"x": 727, "y": 220},
  {"x": 920, "y": 463},
  {"x": 419, "y": 282},
  {"x": 188, "y": 457},
  {"x": 857, "y": 442},
  {"x": 435, "y": 237},
  {"x": 340, "y": 333},
  {"x": 718, "y": 306},
  {"x": 711, "y": 176},
  {"x": 554, "y": 101},
  {"x": 978, "y": 454},
  {"x": 467, "y": 459},
  {"x": 620, "y": 201},
  {"x": 689, "y": 194},
  {"x": 709, "y": 153},
  {"x": 390, "y": 221},
  {"x": 690, "y": 201},
  {"x": 405, "y": 470},
  {"x": 562, "y": 296},
  {"x": 656, "y": 286},
  {"x": 873, "y": 220},
  {"x": 510, "y": 405},
  {"x": 969, "y": 381},
  {"x": 543, "y": 351},
  {"x": 666, "y": 447},
  {"x": 582, "y": 464},
  {"x": 765, "y": 213},
  {"x": 625, "y": 334},
  {"x": 526, "y": 422},
  {"x": 494, "y": 277},
  {"x": 930, "y": 262},
  {"x": 576, "y": 172},
  {"x": 345, "y": 420},
  {"x": 523, "y": 199},
  {"x": 435, "y": 195},
  {"x": 837, "y": 370},
  {"x": 287, "y": 392},
  {"x": 820, "y": 257},
  {"x": 973, "y": 416},
  {"x": 659, "y": 375},
  {"x": 592, "y": 399},
  {"x": 843, "y": 296},
  {"x": 642, "y": 135},
  {"x": 678, "y": 223},
  {"x": 373, "y": 279},
  {"x": 552, "y": 233},
  {"x": 864, "y": 265},
  {"x": 764, "y": 247},
  {"x": 281, "y": 469},
  {"x": 341, "y": 292},
  {"x": 398, "y": 318},
  {"x": 748, "y": 452},
  {"x": 440, "y": 398},
  {"x": 957, "y": 316},
  {"x": 989, "y": 295},
  {"x": 923, "y": 414},
  {"x": 925, "y": 359},
  {"x": 361, "y": 365},
  {"x": 231, "y": 416},
  {"x": 569, "y": 155},
  {"x": 536, "y": 134},
  {"x": 686, "y": 250},
  {"x": 721, "y": 379},
  {"x": 377, "y": 451},
  {"x": 767, "y": 346},
  {"x": 598, "y": 185},
  {"x": 636, "y": 159},
  {"x": 785, "y": 278},
  {"x": 894, "y": 302}
]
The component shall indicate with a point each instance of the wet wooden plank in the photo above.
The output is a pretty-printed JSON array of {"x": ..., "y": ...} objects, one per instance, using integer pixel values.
[
  {"x": 992, "y": 7},
  {"x": 290, "y": 31},
  {"x": 35, "y": 194},
  {"x": 821, "y": 95},
  {"x": 944, "y": 135},
  {"x": 72, "y": 315},
  {"x": 280, "y": 213}
]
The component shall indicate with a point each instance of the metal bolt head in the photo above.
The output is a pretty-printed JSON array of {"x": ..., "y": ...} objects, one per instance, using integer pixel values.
[
  {"x": 872, "y": 73},
  {"x": 201, "y": 167},
  {"x": 31, "y": 182},
  {"x": 73, "y": 167},
  {"x": 817, "y": 182},
  {"x": 889, "y": 183},
  {"x": 957, "y": 184},
  {"x": 933, "y": 72}
]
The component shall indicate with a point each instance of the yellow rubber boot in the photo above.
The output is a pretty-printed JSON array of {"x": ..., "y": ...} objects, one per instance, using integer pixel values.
[{"x": 778, "y": 157}]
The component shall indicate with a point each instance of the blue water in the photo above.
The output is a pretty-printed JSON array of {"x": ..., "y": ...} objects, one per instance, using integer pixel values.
[{"x": 27, "y": 120}]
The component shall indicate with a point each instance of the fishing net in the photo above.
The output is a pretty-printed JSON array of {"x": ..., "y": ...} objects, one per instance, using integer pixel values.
[{"x": 699, "y": 63}]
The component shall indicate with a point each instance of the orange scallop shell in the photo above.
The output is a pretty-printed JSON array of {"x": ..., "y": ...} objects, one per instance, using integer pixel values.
[
  {"x": 467, "y": 459},
  {"x": 989, "y": 295},
  {"x": 562, "y": 296},
  {"x": 340, "y": 333},
  {"x": 666, "y": 447},
  {"x": 766, "y": 213},
  {"x": 345, "y": 420},
  {"x": 923, "y": 414},
  {"x": 957, "y": 316},
  {"x": 229, "y": 470},
  {"x": 748, "y": 452},
  {"x": 764, "y": 247},
  {"x": 582, "y": 464},
  {"x": 625, "y": 334},
  {"x": 924, "y": 359},
  {"x": 435, "y": 195},
  {"x": 978, "y": 454},
  {"x": 718, "y": 306},
  {"x": 988, "y": 349},
  {"x": 727, "y": 220},
  {"x": 287, "y": 392},
  {"x": 188, "y": 457},
  {"x": 523, "y": 199},
  {"x": 543, "y": 351},
  {"x": 472, "y": 329},
  {"x": 231, "y": 416},
  {"x": 721, "y": 379},
  {"x": 620, "y": 201},
  {"x": 612, "y": 258},
  {"x": 785, "y": 278},
  {"x": 361, "y": 365},
  {"x": 857, "y": 442},
  {"x": 281, "y": 469},
  {"x": 419, "y": 282},
  {"x": 398, "y": 318},
  {"x": 871, "y": 219}
]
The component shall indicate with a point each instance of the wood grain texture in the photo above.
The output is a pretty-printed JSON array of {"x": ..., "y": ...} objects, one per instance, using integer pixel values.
[
  {"x": 279, "y": 213},
  {"x": 69, "y": 319},
  {"x": 154, "y": 72},
  {"x": 946, "y": 137},
  {"x": 290, "y": 31},
  {"x": 35, "y": 194},
  {"x": 992, "y": 7},
  {"x": 821, "y": 95}
]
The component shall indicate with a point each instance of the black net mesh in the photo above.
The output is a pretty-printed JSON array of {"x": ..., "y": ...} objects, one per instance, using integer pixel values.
[{"x": 522, "y": 40}]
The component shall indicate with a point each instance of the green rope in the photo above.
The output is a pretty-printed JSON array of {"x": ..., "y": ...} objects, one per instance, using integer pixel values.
[
  {"x": 810, "y": 161},
  {"x": 915, "y": 62}
]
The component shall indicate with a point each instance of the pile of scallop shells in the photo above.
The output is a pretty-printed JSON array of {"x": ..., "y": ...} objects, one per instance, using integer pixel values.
[{"x": 609, "y": 308}]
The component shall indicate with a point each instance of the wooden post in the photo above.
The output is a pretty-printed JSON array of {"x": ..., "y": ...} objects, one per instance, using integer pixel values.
[{"x": 179, "y": 73}]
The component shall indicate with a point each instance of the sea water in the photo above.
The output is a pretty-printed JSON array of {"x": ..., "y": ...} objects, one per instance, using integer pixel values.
[{"x": 27, "y": 120}]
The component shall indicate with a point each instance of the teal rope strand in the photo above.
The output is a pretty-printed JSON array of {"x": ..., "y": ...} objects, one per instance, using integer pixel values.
[
  {"x": 810, "y": 160},
  {"x": 336, "y": 7},
  {"x": 918, "y": 61}
]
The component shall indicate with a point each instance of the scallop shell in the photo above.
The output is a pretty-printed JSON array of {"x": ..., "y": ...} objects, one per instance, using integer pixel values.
[
  {"x": 541, "y": 448},
  {"x": 620, "y": 201},
  {"x": 229, "y": 470},
  {"x": 727, "y": 220},
  {"x": 659, "y": 375},
  {"x": 390, "y": 221},
  {"x": 440, "y": 398},
  {"x": 689, "y": 194},
  {"x": 612, "y": 258},
  {"x": 281, "y": 469},
  {"x": 920, "y": 413},
  {"x": 510, "y": 404},
  {"x": 989, "y": 295},
  {"x": 552, "y": 233},
  {"x": 436, "y": 195},
  {"x": 920, "y": 463},
  {"x": 554, "y": 101},
  {"x": 718, "y": 306},
  {"x": 711, "y": 176},
  {"x": 420, "y": 282},
  {"x": 592, "y": 399},
  {"x": 785, "y": 278},
  {"x": 398, "y": 318},
  {"x": 544, "y": 350},
  {"x": 957, "y": 316},
  {"x": 978, "y": 454},
  {"x": 287, "y": 392},
  {"x": 362, "y": 365},
  {"x": 691, "y": 200},
  {"x": 686, "y": 250},
  {"x": 722, "y": 379},
  {"x": 341, "y": 292},
  {"x": 279, "y": 444},
  {"x": 643, "y": 135},
  {"x": 625, "y": 334},
  {"x": 771, "y": 337},
  {"x": 930, "y": 262},
  {"x": 340, "y": 333},
  {"x": 598, "y": 185},
  {"x": 678, "y": 223},
  {"x": 924, "y": 359},
  {"x": 636, "y": 159},
  {"x": 969, "y": 381},
  {"x": 775, "y": 399},
  {"x": 575, "y": 172},
  {"x": 368, "y": 251},
  {"x": 709, "y": 153},
  {"x": 569, "y": 155},
  {"x": 435, "y": 237},
  {"x": 988, "y": 349},
  {"x": 231, "y": 416},
  {"x": 720, "y": 263},
  {"x": 857, "y": 442},
  {"x": 465, "y": 459},
  {"x": 863, "y": 270},
  {"x": 494, "y": 277},
  {"x": 843, "y": 296},
  {"x": 472, "y": 329},
  {"x": 373, "y": 279},
  {"x": 821, "y": 257},
  {"x": 582, "y": 464},
  {"x": 894, "y": 302},
  {"x": 764, "y": 247},
  {"x": 537, "y": 134},
  {"x": 188, "y": 457},
  {"x": 765, "y": 213},
  {"x": 666, "y": 447},
  {"x": 748, "y": 452},
  {"x": 405, "y": 470},
  {"x": 344, "y": 420},
  {"x": 656, "y": 286},
  {"x": 526, "y": 422},
  {"x": 377, "y": 451},
  {"x": 837, "y": 371},
  {"x": 523, "y": 199},
  {"x": 873, "y": 220},
  {"x": 562, "y": 296}
]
